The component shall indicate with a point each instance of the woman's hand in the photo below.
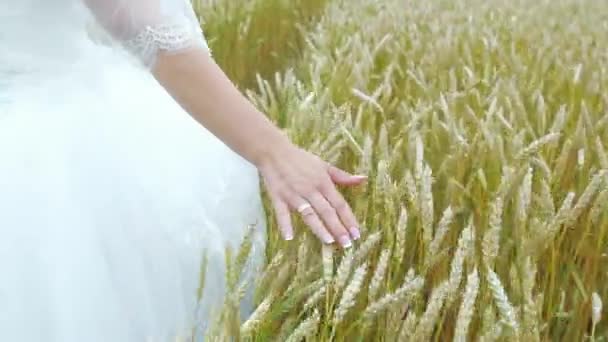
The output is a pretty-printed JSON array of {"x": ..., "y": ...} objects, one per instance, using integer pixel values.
[
  {"x": 300, "y": 181},
  {"x": 296, "y": 180}
]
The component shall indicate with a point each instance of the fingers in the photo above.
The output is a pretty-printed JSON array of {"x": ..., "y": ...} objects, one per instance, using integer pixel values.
[
  {"x": 316, "y": 226},
  {"x": 283, "y": 216},
  {"x": 309, "y": 216},
  {"x": 342, "y": 208},
  {"x": 329, "y": 216},
  {"x": 342, "y": 177}
]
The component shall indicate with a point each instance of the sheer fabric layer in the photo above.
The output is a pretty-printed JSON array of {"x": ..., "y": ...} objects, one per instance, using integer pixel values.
[
  {"x": 149, "y": 27},
  {"x": 111, "y": 193}
]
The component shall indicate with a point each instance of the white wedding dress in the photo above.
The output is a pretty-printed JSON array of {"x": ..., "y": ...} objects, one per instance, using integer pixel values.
[{"x": 110, "y": 193}]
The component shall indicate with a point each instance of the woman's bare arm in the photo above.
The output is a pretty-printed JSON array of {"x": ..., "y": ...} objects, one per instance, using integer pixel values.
[
  {"x": 292, "y": 176},
  {"x": 200, "y": 86}
]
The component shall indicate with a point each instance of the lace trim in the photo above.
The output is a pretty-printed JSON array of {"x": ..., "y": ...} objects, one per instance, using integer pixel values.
[{"x": 165, "y": 37}]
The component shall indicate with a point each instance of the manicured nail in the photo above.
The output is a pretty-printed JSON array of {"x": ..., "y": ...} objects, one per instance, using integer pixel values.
[
  {"x": 328, "y": 239},
  {"x": 345, "y": 241},
  {"x": 354, "y": 231},
  {"x": 288, "y": 234}
]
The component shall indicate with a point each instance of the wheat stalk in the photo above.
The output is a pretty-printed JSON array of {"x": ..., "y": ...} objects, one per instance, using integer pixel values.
[
  {"x": 379, "y": 274},
  {"x": 598, "y": 207},
  {"x": 328, "y": 262},
  {"x": 399, "y": 296},
  {"x": 343, "y": 271},
  {"x": 426, "y": 205},
  {"x": 524, "y": 199},
  {"x": 537, "y": 144},
  {"x": 306, "y": 329},
  {"x": 442, "y": 229},
  {"x": 401, "y": 234},
  {"x": 506, "y": 309},
  {"x": 467, "y": 307},
  {"x": 348, "y": 297},
  {"x": 366, "y": 247},
  {"x": 530, "y": 314},
  {"x": 315, "y": 297},
  {"x": 586, "y": 197},
  {"x": 256, "y": 317},
  {"x": 596, "y": 311},
  {"x": 465, "y": 247},
  {"x": 430, "y": 316},
  {"x": 491, "y": 239}
]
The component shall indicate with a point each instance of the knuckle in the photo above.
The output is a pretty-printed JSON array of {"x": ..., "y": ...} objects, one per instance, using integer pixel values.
[
  {"x": 310, "y": 220},
  {"x": 317, "y": 180},
  {"x": 341, "y": 205},
  {"x": 280, "y": 189},
  {"x": 310, "y": 193},
  {"x": 326, "y": 183},
  {"x": 325, "y": 188},
  {"x": 306, "y": 190},
  {"x": 282, "y": 193}
]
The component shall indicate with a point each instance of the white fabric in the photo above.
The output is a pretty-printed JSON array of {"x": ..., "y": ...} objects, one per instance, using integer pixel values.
[
  {"x": 110, "y": 193},
  {"x": 147, "y": 27}
]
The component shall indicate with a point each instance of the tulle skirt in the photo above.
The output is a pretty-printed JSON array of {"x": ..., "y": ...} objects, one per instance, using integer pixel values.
[{"x": 110, "y": 196}]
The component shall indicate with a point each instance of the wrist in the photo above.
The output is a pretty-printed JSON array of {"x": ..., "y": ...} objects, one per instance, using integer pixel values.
[{"x": 270, "y": 148}]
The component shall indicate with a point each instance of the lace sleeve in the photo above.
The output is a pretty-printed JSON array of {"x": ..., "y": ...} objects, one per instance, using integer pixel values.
[{"x": 149, "y": 27}]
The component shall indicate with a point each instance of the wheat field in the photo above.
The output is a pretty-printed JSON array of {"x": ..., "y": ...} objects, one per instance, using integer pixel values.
[{"x": 483, "y": 126}]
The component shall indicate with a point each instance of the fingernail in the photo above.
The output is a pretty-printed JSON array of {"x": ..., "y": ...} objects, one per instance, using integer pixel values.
[
  {"x": 288, "y": 235},
  {"x": 354, "y": 231},
  {"x": 345, "y": 241},
  {"x": 360, "y": 176},
  {"x": 328, "y": 239}
]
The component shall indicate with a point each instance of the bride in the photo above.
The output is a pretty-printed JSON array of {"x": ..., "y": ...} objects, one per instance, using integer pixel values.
[{"x": 125, "y": 158}]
